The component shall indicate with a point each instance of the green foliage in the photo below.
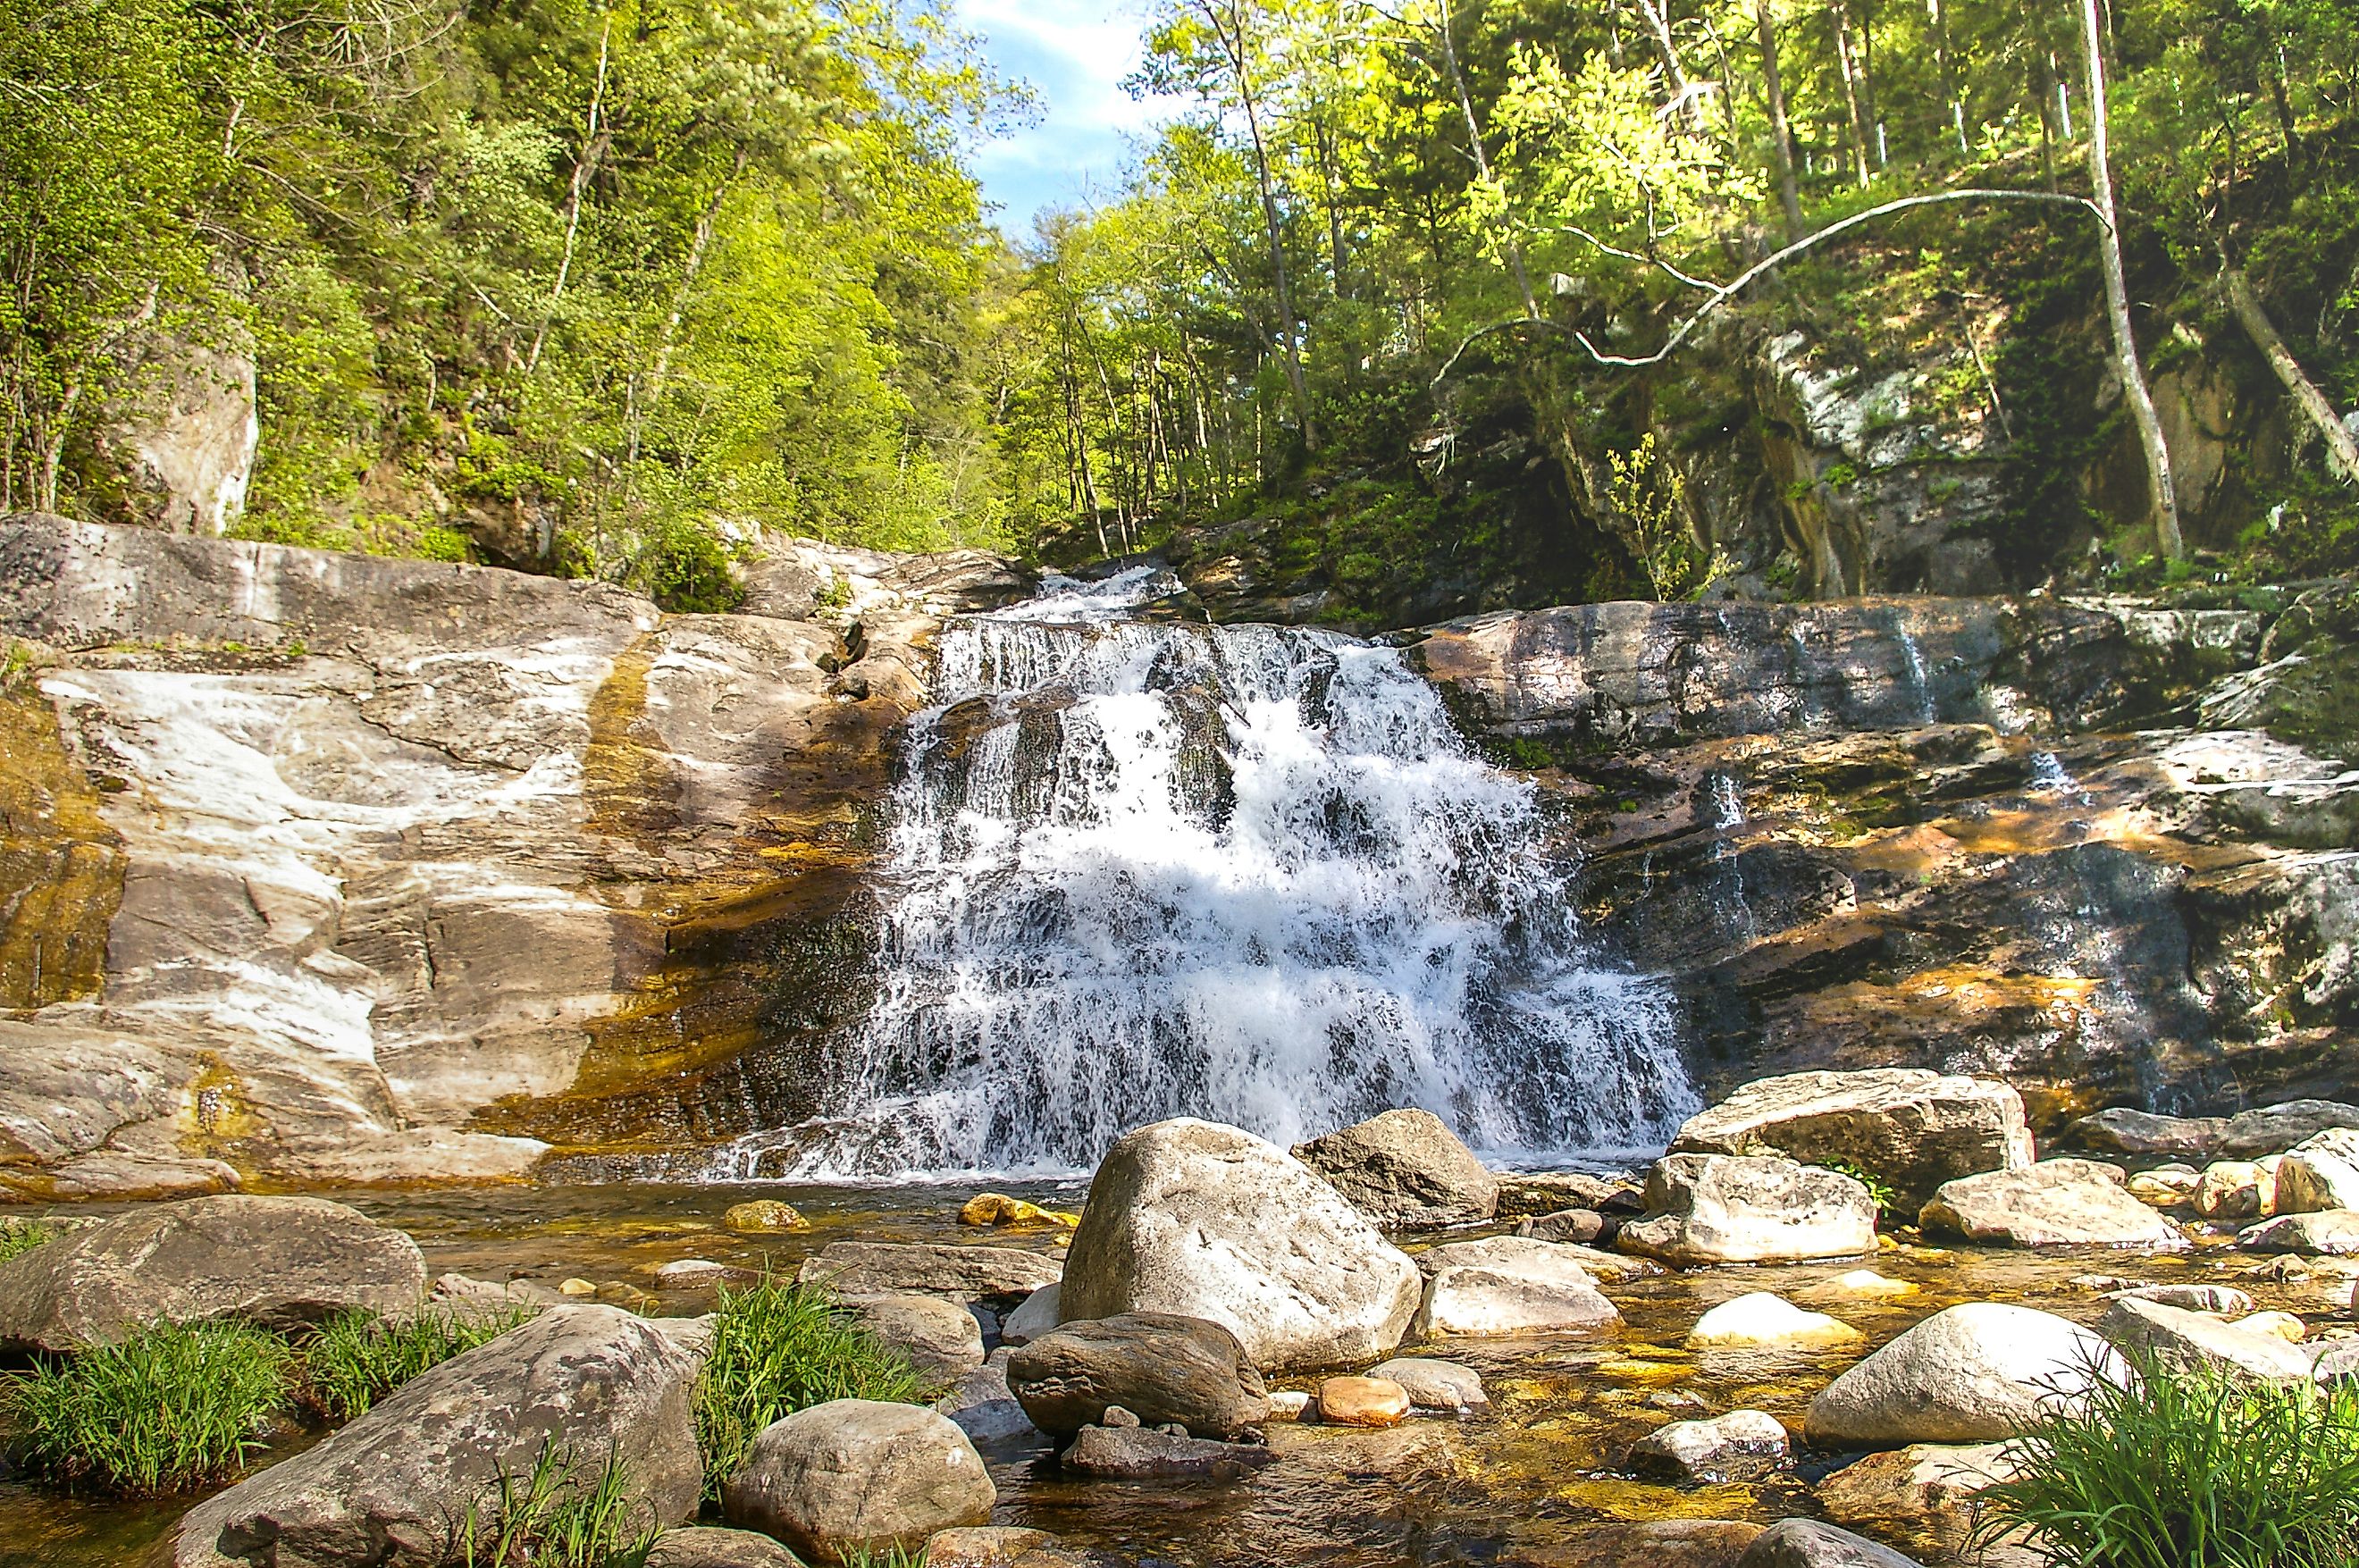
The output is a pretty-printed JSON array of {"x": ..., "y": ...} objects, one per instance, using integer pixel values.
[
  {"x": 550, "y": 1518},
  {"x": 1888, "y": 1202},
  {"x": 439, "y": 543},
  {"x": 167, "y": 1410},
  {"x": 688, "y": 571},
  {"x": 20, "y": 1237},
  {"x": 777, "y": 1348},
  {"x": 1650, "y": 493},
  {"x": 2190, "y": 1469},
  {"x": 358, "y": 1358},
  {"x": 891, "y": 1557}
]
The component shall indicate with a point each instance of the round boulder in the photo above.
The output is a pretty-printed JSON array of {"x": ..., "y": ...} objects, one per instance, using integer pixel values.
[
  {"x": 1718, "y": 1208},
  {"x": 1362, "y": 1401},
  {"x": 1977, "y": 1372},
  {"x": 858, "y": 1477},
  {"x": 765, "y": 1216},
  {"x": 1162, "y": 1368},
  {"x": 1434, "y": 1385},
  {"x": 1764, "y": 1319},
  {"x": 939, "y": 1338},
  {"x": 1743, "y": 1445},
  {"x": 1405, "y": 1167}
]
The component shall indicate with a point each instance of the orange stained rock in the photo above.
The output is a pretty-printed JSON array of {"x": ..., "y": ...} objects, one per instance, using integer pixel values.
[{"x": 1362, "y": 1401}]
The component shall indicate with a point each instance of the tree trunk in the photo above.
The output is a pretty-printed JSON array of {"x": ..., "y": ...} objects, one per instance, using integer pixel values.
[
  {"x": 1847, "y": 67},
  {"x": 2165, "y": 494},
  {"x": 1780, "y": 135},
  {"x": 1658, "y": 22},
  {"x": 1481, "y": 159},
  {"x": 593, "y": 148},
  {"x": 2342, "y": 449}
]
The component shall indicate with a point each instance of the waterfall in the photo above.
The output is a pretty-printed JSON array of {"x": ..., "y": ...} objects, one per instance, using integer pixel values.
[{"x": 1140, "y": 870}]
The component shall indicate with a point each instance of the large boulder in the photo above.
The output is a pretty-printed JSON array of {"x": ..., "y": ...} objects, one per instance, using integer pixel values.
[
  {"x": 852, "y": 1479},
  {"x": 2056, "y": 1203},
  {"x": 588, "y": 1382},
  {"x": 2323, "y": 1233},
  {"x": 2321, "y": 1172},
  {"x": 278, "y": 1262},
  {"x": 1912, "y": 1127},
  {"x": 1405, "y": 1167},
  {"x": 2273, "y": 1129},
  {"x": 1977, "y": 1372},
  {"x": 1717, "y": 1208},
  {"x": 920, "y": 1269},
  {"x": 1807, "y": 1543},
  {"x": 1200, "y": 1220},
  {"x": 2200, "y": 1341},
  {"x": 2144, "y": 1138},
  {"x": 1506, "y": 1284},
  {"x": 1161, "y": 1368}
]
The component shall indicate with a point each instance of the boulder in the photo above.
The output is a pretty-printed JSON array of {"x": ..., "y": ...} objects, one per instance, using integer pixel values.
[
  {"x": 984, "y": 1406},
  {"x": 1405, "y": 1167},
  {"x": 2056, "y": 1203},
  {"x": 2325, "y": 1232},
  {"x": 1913, "y": 1128},
  {"x": 2144, "y": 1137},
  {"x": 918, "y": 1269},
  {"x": 1542, "y": 1193},
  {"x": 765, "y": 1216},
  {"x": 1923, "y": 1494},
  {"x": 1651, "y": 1543},
  {"x": 2238, "y": 1188},
  {"x": 482, "y": 1301},
  {"x": 1743, "y": 1445},
  {"x": 277, "y": 1262},
  {"x": 857, "y": 1477},
  {"x": 1976, "y": 1372},
  {"x": 1716, "y": 1208},
  {"x": 592, "y": 1381},
  {"x": 988, "y": 1546},
  {"x": 1860, "y": 1285},
  {"x": 2223, "y": 1299},
  {"x": 1764, "y": 1319},
  {"x": 999, "y": 1209},
  {"x": 1362, "y": 1401},
  {"x": 2337, "y": 1363},
  {"x": 1040, "y": 1312},
  {"x": 1136, "y": 1453},
  {"x": 2277, "y": 1128},
  {"x": 2200, "y": 1341},
  {"x": 706, "y": 1547},
  {"x": 1200, "y": 1220},
  {"x": 1509, "y": 1285},
  {"x": 1580, "y": 1226},
  {"x": 1162, "y": 1368},
  {"x": 1807, "y": 1543},
  {"x": 1434, "y": 1385},
  {"x": 2166, "y": 1186},
  {"x": 939, "y": 1338},
  {"x": 2319, "y": 1173}
]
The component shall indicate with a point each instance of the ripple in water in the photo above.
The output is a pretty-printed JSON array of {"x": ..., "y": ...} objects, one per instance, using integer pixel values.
[{"x": 1246, "y": 873}]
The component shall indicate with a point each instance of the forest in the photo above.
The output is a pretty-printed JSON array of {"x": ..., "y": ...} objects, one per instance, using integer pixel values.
[{"x": 1437, "y": 291}]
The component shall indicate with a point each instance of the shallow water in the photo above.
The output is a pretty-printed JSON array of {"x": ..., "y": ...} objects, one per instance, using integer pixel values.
[{"x": 1499, "y": 1489}]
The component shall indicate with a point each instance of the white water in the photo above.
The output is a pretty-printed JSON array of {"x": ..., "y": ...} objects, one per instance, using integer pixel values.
[{"x": 1246, "y": 873}]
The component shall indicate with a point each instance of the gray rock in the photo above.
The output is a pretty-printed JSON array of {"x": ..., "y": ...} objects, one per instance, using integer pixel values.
[
  {"x": 482, "y": 1301},
  {"x": 1977, "y": 1372},
  {"x": 1041, "y": 1312},
  {"x": 2319, "y": 1173},
  {"x": 278, "y": 1262},
  {"x": 1913, "y": 1128},
  {"x": 1580, "y": 1226},
  {"x": 1161, "y": 1368},
  {"x": 2326, "y": 1233},
  {"x": 1141, "y": 1453},
  {"x": 985, "y": 1408},
  {"x": 2195, "y": 1341},
  {"x": 1509, "y": 1285},
  {"x": 2145, "y": 1137},
  {"x": 2223, "y": 1299},
  {"x": 2337, "y": 1362},
  {"x": 1206, "y": 1221},
  {"x": 918, "y": 1269},
  {"x": 1806, "y": 1543},
  {"x": 394, "y": 1485},
  {"x": 2273, "y": 1129},
  {"x": 1715, "y": 1208},
  {"x": 940, "y": 1338},
  {"x": 1434, "y": 1385},
  {"x": 1405, "y": 1167},
  {"x": 1743, "y": 1445},
  {"x": 705, "y": 1546},
  {"x": 2056, "y": 1203},
  {"x": 1549, "y": 1191},
  {"x": 855, "y": 1477}
]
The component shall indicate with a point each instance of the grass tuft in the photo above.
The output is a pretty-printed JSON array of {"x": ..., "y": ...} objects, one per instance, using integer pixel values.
[
  {"x": 20, "y": 1237},
  {"x": 778, "y": 1348},
  {"x": 2189, "y": 1469},
  {"x": 168, "y": 1409},
  {"x": 548, "y": 1519},
  {"x": 358, "y": 1358}
]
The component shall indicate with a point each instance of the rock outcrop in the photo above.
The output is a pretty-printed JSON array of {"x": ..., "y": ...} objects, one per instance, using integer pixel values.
[{"x": 1911, "y": 1129}]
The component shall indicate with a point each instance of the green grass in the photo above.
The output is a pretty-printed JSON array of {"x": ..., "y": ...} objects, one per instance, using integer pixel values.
[
  {"x": 777, "y": 1348},
  {"x": 548, "y": 1519},
  {"x": 1888, "y": 1202},
  {"x": 358, "y": 1358},
  {"x": 20, "y": 1237},
  {"x": 168, "y": 1409},
  {"x": 2190, "y": 1470}
]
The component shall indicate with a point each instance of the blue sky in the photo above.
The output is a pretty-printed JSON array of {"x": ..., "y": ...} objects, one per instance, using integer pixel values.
[{"x": 1075, "y": 54}]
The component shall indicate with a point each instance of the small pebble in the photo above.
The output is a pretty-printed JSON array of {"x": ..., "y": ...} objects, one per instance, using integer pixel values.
[
  {"x": 1287, "y": 1404},
  {"x": 577, "y": 1288}
]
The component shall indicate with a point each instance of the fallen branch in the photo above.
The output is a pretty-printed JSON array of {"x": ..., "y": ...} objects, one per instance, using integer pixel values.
[{"x": 2342, "y": 450}]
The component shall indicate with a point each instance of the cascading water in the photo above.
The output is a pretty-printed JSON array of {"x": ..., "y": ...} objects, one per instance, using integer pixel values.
[{"x": 1246, "y": 873}]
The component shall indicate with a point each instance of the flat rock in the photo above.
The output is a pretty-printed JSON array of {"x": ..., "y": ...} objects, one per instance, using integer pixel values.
[
  {"x": 2056, "y": 1203},
  {"x": 939, "y": 1337},
  {"x": 1200, "y": 1220},
  {"x": 708, "y": 1547},
  {"x": 1715, "y": 1208},
  {"x": 2326, "y": 1233},
  {"x": 1435, "y": 1385},
  {"x": 1162, "y": 1368},
  {"x": 1806, "y": 1543},
  {"x": 2143, "y": 1135},
  {"x": 1859, "y": 1285},
  {"x": 407, "y": 1156},
  {"x": 2319, "y": 1173},
  {"x": 1976, "y": 1372},
  {"x": 1143, "y": 1454},
  {"x": 1509, "y": 1285},
  {"x": 108, "y": 1174},
  {"x": 1743, "y": 1445},
  {"x": 2273, "y": 1129},
  {"x": 1651, "y": 1543},
  {"x": 920, "y": 1269},
  {"x": 1913, "y": 1128},
  {"x": 1362, "y": 1401},
  {"x": 278, "y": 1262},
  {"x": 2198, "y": 1341},
  {"x": 1547, "y": 1191},
  {"x": 2222, "y": 1299},
  {"x": 593, "y": 1380},
  {"x": 1924, "y": 1493},
  {"x": 1580, "y": 1226},
  {"x": 855, "y": 1477},
  {"x": 1405, "y": 1167},
  {"x": 1764, "y": 1319},
  {"x": 1036, "y": 1315}
]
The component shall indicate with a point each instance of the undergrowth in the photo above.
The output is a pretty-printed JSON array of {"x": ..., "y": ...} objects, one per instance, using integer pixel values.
[
  {"x": 358, "y": 1358},
  {"x": 20, "y": 1237},
  {"x": 2189, "y": 1469},
  {"x": 777, "y": 1348},
  {"x": 548, "y": 1519},
  {"x": 168, "y": 1409}
]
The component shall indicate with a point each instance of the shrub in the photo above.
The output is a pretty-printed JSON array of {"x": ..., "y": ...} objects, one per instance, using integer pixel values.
[
  {"x": 169, "y": 1408},
  {"x": 358, "y": 1358},
  {"x": 777, "y": 1348},
  {"x": 2189, "y": 1469},
  {"x": 547, "y": 1520}
]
